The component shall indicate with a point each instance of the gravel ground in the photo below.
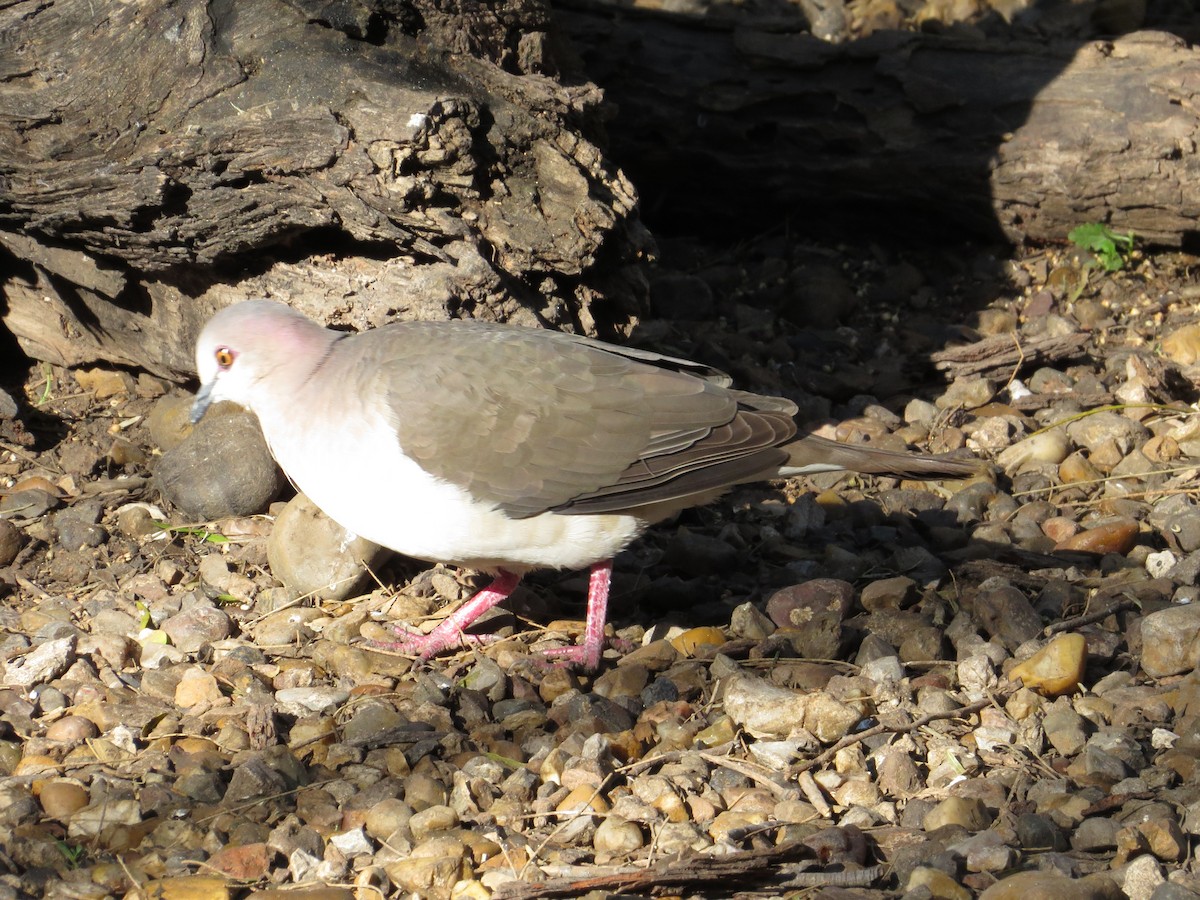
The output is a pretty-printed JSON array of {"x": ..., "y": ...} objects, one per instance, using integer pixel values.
[{"x": 839, "y": 686}]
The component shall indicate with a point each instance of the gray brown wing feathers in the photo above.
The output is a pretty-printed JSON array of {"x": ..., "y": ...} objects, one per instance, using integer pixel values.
[
  {"x": 817, "y": 454},
  {"x": 537, "y": 420}
]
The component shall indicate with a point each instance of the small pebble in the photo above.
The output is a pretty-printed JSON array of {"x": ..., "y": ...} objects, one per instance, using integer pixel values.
[
  {"x": 937, "y": 883},
  {"x": 813, "y": 613},
  {"x": 1047, "y": 447},
  {"x": 61, "y": 798},
  {"x": 104, "y": 383},
  {"x": 29, "y": 503},
  {"x": 965, "y": 812},
  {"x": 72, "y": 730},
  {"x": 1182, "y": 345},
  {"x": 1056, "y": 669},
  {"x": 693, "y": 641},
  {"x": 1112, "y": 537},
  {"x": 616, "y": 836},
  {"x": 170, "y": 421},
  {"x": 11, "y": 540},
  {"x": 1171, "y": 640},
  {"x": 192, "y": 629}
]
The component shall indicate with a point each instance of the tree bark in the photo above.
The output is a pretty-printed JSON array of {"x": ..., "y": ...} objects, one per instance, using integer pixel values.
[
  {"x": 377, "y": 158},
  {"x": 161, "y": 159},
  {"x": 930, "y": 136}
]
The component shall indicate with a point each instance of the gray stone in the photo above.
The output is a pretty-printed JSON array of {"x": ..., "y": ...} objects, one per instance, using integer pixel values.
[
  {"x": 1066, "y": 730},
  {"x": 223, "y": 468},
  {"x": 1092, "y": 431},
  {"x": 921, "y": 644},
  {"x": 193, "y": 628},
  {"x": 1006, "y": 613},
  {"x": 1142, "y": 877},
  {"x": 77, "y": 526},
  {"x": 1171, "y": 891},
  {"x": 11, "y": 540},
  {"x": 1095, "y": 834},
  {"x": 315, "y": 556},
  {"x": 1171, "y": 641},
  {"x": 1038, "y": 832},
  {"x": 813, "y": 612},
  {"x": 1185, "y": 571},
  {"x": 1184, "y": 530},
  {"x": 27, "y": 504},
  {"x": 750, "y": 622},
  {"x": 925, "y": 568},
  {"x": 699, "y": 554}
]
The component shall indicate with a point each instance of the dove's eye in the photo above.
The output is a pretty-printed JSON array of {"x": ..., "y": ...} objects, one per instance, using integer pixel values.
[{"x": 224, "y": 357}]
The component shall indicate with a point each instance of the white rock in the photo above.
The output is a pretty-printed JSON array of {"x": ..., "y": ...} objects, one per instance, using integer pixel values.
[
  {"x": 353, "y": 842},
  {"x": 767, "y": 711},
  {"x": 1160, "y": 563},
  {"x": 1051, "y": 446},
  {"x": 41, "y": 664},
  {"x": 304, "y": 701},
  {"x": 1142, "y": 876}
]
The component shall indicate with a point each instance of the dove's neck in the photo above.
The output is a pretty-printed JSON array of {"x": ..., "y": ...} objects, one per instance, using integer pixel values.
[{"x": 289, "y": 391}]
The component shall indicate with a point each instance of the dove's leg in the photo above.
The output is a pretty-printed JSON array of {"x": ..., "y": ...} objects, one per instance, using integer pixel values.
[
  {"x": 451, "y": 633},
  {"x": 587, "y": 655}
]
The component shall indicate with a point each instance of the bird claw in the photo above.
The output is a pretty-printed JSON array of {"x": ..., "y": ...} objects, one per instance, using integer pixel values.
[
  {"x": 425, "y": 646},
  {"x": 582, "y": 656},
  {"x": 585, "y": 656}
]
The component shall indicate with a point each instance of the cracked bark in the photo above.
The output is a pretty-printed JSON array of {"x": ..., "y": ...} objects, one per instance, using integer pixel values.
[{"x": 164, "y": 158}]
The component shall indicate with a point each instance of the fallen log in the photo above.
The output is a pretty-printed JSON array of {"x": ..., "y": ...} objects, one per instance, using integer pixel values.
[
  {"x": 160, "y": 159},
  {"x": 929, "y": 136}
]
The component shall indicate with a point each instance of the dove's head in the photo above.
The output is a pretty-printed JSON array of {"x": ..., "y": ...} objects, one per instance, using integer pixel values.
[{"x": 250, "y": 350}]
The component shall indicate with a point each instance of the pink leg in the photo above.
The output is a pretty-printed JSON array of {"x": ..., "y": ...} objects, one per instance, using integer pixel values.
[
  {"x": 451, "y": 632},
  {"x": 587, "y": 656}
]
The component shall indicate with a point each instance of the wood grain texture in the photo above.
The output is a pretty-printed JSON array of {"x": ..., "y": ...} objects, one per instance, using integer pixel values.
[{"x": 161, "y": 158}]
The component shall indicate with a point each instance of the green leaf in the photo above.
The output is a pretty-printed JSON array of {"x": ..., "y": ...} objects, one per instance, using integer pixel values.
[{"x": 1111, "y": 248}]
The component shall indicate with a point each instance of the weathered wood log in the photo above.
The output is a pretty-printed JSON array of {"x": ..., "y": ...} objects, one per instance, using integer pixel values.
[
  {"x": 726, "y": 121},
  {"x": 159, "y": 159},
  {"x": 780, "y": 868},
  {"x": 1002, "y": 354}
]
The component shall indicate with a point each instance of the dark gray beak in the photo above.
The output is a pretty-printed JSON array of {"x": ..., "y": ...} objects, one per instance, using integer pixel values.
[{"x": 203, "y": 399}]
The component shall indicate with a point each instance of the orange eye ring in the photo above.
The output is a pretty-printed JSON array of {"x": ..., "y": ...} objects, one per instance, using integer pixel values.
[{"x": 224, "y": 357}]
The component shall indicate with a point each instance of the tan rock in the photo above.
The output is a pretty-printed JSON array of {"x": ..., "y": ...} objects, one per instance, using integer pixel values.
[
  {"x": 968, "y": 812},
  {"x": 197, "y": 687},
  {"x": 104, "y": 383},
  {"x": 1056, "y": 669},
  {"x": 1111, "y": 537},
  {"x": 940, "y": 885},
  {"x": 1031, "y": 885},
  {"x": 60, "y": 798},
  {"x": 1183, "y": 345},
  {"x": 694, "y": 640},
  {"x": 192, "y": 887},
  {"x": 243, "y": 862}
]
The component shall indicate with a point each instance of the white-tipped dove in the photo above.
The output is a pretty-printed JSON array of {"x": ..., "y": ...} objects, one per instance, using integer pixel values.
[{"x": 505, "y": 449}]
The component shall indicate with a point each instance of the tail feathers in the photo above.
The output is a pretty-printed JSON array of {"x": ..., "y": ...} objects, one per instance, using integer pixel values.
[{"x": 812, "y": 454}]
